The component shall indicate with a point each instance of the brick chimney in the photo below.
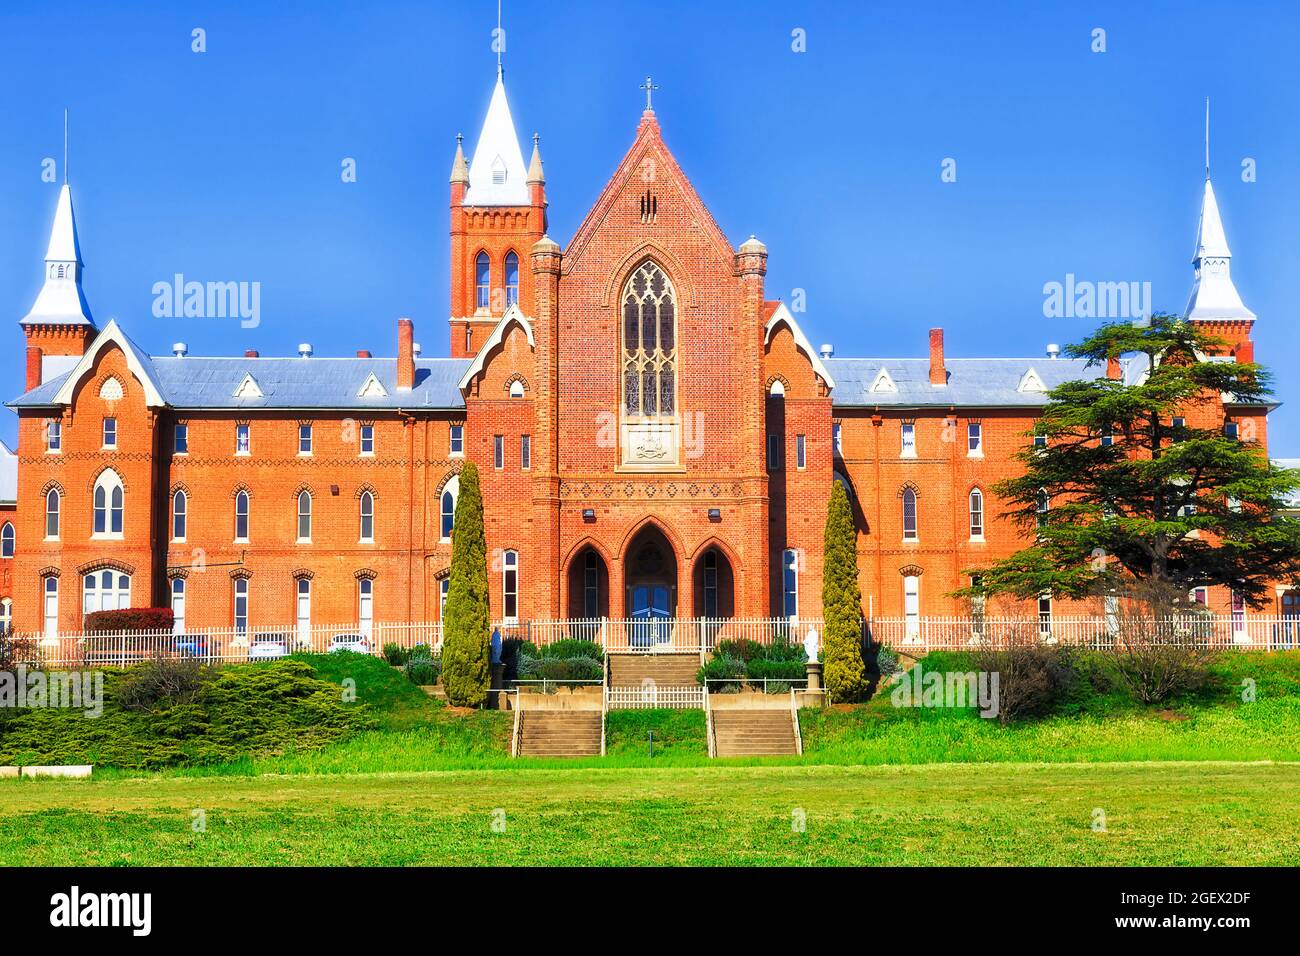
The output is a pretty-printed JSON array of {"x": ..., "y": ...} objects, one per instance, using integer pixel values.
[
  {"x": 1113, "y": 369},
  {"x": 363, "y": 353},
  {"x": 938, "y": 374},
  {"x": 250, "y": 353},
  {"x": 1245, "y": 352},
  {"x": 405, "y": 354},
  {"x": 34, "y": 356}
]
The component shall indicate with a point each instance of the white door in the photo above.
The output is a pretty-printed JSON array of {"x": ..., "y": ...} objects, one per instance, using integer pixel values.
[
  {"x": 912, "y": 605},
  {"x": 304, "y": 612}
]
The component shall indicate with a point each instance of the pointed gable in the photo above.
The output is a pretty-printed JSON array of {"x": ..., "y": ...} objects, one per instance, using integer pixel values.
[
  {"x": 650, "y": 171},
  {"x": 248, "y": 388},
  {"x": 883, "y": 382},
  {"x": 372, "y": 388},
  {"x": 1031, "y": 381}
]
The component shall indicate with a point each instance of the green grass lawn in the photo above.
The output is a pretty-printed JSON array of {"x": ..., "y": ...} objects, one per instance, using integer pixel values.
[{"x": 965, "y": 814}]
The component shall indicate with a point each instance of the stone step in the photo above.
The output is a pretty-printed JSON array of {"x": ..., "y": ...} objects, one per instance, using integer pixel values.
[
  {"x": 633, "y": 670},
  {"x": 559, "y": 733},
  {"x": 753, "y": 733}
]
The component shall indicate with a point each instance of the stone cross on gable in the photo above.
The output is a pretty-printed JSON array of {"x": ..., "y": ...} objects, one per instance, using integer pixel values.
[{"x": 649, "y": 88}]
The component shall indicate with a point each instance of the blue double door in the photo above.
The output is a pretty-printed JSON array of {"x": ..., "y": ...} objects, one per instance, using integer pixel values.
[{"x": 651, "y": 608}]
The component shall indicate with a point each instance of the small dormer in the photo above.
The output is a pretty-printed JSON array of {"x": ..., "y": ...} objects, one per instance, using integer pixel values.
[
  {"x": 883, "y": 382},
  {"x": 1031, "y": 382},
  {"x": 248, "y": 387}
]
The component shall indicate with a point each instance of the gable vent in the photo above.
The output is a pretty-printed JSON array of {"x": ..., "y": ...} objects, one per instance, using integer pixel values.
[{"x": 649, "y": 206}]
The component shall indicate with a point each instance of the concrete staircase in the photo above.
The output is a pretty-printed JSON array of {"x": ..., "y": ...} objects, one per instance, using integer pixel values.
[
  {"x": 750, "y": 732},
  {"x": 559, "y": 733},
  {"x": 665, "y": 670}
]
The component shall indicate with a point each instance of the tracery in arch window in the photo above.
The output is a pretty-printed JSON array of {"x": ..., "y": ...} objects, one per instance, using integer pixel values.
[{"x": 649, "y": 344}]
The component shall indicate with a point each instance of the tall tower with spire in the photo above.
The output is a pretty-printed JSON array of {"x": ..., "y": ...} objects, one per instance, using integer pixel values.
[
  {"x": 1215, "y": 302},
  {"x": 59, "y": 323},
  {"x": 498, "y": 211}
]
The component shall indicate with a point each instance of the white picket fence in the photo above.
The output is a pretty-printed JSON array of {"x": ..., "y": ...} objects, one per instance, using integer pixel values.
[
  {"x": 637, "y": 698},
  {"x": 667, "y": 635},
  {"x": 1226, "y": 631}
]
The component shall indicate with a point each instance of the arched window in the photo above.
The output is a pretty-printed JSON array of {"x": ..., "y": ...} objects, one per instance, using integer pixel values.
[
  {"x": 180, "y": 505},
  {"x": 178, "y": 605},
  {"x": 976, "y": 513},
  {"x": 649, "y": 344},
  {"x": 108, "y": 500},
  {"x": 302, "y": 588},
  {"x": 241, "y": 516},
  {"x": 241, "y": 605},
  {"x": 367, "y": 516},
  {"x": 1041, "y": 506},
  {"x": 591, "y": 585},
  {"x": 512, "y": 279},
  {"x": 790, "y": 582},
  {"x": 50, "y": 610},
  {"x": 483, "y": 281},
  {"x": 105, "y": 590},
  {"x": 304, "y": 516},
  {"x": 366, "y": 607},
  {"x": 710, "y": 583},
  {"x": 52, "y": 503},
  {"x": 510, "y": 586},
  {"x": 7, "y": 540},
  {"x": 909, "y": 514},
  {"x": 448, "y": 508},
  {"x": 516, "y": 389}
]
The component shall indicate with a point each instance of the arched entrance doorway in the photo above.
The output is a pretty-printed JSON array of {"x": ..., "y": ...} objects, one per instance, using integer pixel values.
[
  {"x": 713, "y": 584},
  {"x": 588, "y": 585},
  {"x": 650, "y": 573}
]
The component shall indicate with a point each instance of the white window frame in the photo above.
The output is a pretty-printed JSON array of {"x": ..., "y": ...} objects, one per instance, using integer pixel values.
[
  {"x": 178, "y": 605},
  {"x": 800, "y": 452},
  {"x": 915, "y": 534},
  {"x": 8, "y": 541},
  {"x": 456, "y": 441},
  {"x": 305, "y": 440},
  {"x": 974, "y": 440},
  {"x": 912, "y": 605},
  {"x": 109, "y": 483},
  {"x": 1045, "y": 614},
  {"x": 975, "y": 510},
  {"x": 180, "y": 515},
  {"x": 444, "y": 586},
  {"x": 248, "y": 517},
  {"x": 180, "y": 439},
  {"x": 837, "y": 438},
  {"x": 50, "y": 605},
  {"x": 243, "y": 439},
  {"x": 366, "y": 607},
  {"x": 302, "y": 610},
  {"x": 366, "y": 496},
  {"x": 452, "y": 487},
  {"x": 367, "y": 438},
  {"x": 6, "y": 615},
  {"x": 301, "y": 514},
  {"x": 510, "y": 586},
  {"x": 240, "y": 589},
  {"x": 103, "y": 589},
  {"x": 110, "y": 432},
  {"x": 54, "y": 437},
  {"x": 907, "y": 437},
  {"x": 56, "y": 512}
]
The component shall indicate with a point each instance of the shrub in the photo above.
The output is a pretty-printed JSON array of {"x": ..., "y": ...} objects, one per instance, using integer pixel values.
[
  {"x": 163, "y": 681},
  {"x": 573, "y": 647},
  {"x": 130, "y": 619},
  {"x": 424, "y": 670},
  {"x": 15, "y": 651},
  {"x": 1033, "y": 678},
  {"x": 466, "y": 649},
  {"x": 396, "y": 654},
  {"x": 841, "y": 653},
  {"x": 740, "y": 648},
  {"x": 1153, "y": 673},
  {"x": 560, "y": 669},
  {"x": 511, "y": 649},
  {"x": 886, "y": 662},
  {"x": 726, "y": 670}
]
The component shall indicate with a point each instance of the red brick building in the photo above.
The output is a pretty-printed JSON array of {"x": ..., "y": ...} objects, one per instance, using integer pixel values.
[{"x": 655, "y": 435}]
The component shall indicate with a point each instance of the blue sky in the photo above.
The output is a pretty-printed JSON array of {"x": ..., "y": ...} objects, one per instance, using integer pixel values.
[{"x": 225, "y": 165}]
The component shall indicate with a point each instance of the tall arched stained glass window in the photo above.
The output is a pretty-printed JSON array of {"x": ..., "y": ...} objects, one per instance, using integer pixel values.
[{"x": 649, "y": 344}]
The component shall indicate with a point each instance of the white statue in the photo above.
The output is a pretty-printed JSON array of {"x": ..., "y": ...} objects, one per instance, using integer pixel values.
[{"x": 810, "y": 645}]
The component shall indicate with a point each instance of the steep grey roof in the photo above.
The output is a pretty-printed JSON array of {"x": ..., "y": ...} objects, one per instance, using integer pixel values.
[
  {"x": 197, "y": 382},
  {"x": 981, "y": 382},
  {"x": 8, "y": 475}
]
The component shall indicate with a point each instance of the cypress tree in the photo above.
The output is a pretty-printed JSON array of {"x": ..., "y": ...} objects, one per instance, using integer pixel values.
[
  {"x": 466, "y": 650},
  {"x": 844, "y": 671}
]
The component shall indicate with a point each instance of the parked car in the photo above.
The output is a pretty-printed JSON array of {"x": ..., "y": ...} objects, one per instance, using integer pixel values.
[
  {"x": 267, "y": 646},
  {"x": 357, "y": 643},
  {"x": 191, "y": 645}
]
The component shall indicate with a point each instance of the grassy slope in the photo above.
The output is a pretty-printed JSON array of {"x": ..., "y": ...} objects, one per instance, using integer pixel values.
[{"x": 1175, "y": 814}]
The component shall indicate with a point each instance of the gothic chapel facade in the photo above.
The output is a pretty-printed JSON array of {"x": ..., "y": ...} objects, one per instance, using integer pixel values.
[{"x": 656, "y": 437}]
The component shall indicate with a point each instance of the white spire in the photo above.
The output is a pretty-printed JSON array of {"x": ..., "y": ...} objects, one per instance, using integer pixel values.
[
  {"x": 61, "y": 300},
  {"x": 497, "y": 175},
  {"x": 1213, "y": 294}
]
